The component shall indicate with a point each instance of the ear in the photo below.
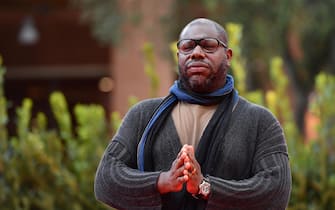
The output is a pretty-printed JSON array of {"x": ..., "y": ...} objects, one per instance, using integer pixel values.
[{"x": 229, "y": 55}]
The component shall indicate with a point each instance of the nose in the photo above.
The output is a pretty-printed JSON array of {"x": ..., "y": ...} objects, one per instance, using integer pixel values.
[{"x": 198, "y": 52}]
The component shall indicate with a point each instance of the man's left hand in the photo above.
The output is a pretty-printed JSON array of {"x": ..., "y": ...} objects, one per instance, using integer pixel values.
[{"x": 192, "y": 170}]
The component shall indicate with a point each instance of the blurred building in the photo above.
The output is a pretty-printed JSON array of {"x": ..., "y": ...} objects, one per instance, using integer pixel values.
[{"x": 46, "y": 48}]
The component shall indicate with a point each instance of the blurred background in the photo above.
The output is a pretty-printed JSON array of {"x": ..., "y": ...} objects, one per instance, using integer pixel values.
[{"x": 71, "y": 68}]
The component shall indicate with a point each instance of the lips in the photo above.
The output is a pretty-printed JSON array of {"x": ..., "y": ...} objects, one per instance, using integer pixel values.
[
  {"x": 197, "y": 64},
  {"x": 197, "y": 67}
]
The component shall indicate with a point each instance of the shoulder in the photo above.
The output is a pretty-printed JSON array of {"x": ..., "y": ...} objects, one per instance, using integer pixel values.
[
  {"x": 254, "y": 111},
  {"x": 144, "y": 108},
  {"x": 137, "y": 116},
  {"x": 146, "y": 104}
]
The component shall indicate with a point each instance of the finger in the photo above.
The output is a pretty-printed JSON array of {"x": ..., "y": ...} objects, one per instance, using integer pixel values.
[
  {"x": 180, "y": 152},
  {"x": 184, "y": 156},
  {"x": 184, "y": 149},
  {"x": 185, "y": 172},
  {"x": 189, "y": 150},
  {"x": 177, "y": 163},
  {"x": 185, "y": 146},
  {"x": 185, "y": 178},
  {"x": 191, "y": 173},
  {"x": 187, "y": 159},
  {"x": 188, "y": 165},
  {"x": 179, "y": 171}
]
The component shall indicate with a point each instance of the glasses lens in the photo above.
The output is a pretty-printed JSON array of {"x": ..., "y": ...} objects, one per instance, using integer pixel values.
[
  {"x": 209, "y": 45},
  {"x": 186, "y": 45}
]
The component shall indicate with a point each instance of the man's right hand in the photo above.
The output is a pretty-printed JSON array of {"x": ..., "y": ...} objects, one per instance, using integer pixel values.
[{"x": 173, "y": 180}]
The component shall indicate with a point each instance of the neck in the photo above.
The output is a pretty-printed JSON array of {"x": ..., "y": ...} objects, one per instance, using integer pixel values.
[
  {"x": 204, "y": 89},
  {"x": 202, "y": 98}
]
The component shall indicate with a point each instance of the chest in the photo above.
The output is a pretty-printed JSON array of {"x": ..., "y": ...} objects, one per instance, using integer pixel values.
[
  {"x": 235, "y": 151},
  {"x": 190, "y": 121}
]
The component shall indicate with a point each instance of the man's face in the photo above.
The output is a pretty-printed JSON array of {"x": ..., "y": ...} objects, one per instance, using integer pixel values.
[{"x": 200, "y": 71}]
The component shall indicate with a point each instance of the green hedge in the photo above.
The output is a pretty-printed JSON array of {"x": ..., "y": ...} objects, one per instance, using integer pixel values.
[
  {"x": 312, "y": 162},
  {"x": 43, "y": 169}
]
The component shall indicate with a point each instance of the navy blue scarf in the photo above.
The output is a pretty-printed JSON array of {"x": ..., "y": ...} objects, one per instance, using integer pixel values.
[
  {"x": 144, "y": 152},
  {"x": 203, "y": 99}
]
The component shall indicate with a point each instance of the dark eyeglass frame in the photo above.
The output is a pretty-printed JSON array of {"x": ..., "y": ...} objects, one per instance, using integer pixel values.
[{"x": 198, "y": 42}]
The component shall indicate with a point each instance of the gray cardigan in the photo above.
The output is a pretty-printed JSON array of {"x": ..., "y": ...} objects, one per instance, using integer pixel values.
[{"x": 253, "y": 172}]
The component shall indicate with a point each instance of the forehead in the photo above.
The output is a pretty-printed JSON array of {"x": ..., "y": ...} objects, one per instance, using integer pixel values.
[{"x": 198, "y": 31}]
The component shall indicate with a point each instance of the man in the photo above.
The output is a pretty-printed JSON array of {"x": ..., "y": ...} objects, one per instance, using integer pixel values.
[{"x": 201, "y": 147}]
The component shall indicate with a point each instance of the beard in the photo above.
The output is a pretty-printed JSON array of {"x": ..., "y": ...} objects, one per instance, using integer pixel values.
[
  {"x": 195, "y": 85},
  {"x": 202, "y": 84}
]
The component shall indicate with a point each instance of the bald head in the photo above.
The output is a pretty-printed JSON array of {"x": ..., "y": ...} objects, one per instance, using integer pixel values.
[{"x": 222, "y": 35}]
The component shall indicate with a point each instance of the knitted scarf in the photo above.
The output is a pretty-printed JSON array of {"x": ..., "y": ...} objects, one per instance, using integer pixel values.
[{"x": 226, "y": 97}]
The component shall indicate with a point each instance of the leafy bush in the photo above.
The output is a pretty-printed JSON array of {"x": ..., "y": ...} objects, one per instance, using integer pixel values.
[
  {"x": 51, "y": 169},
  {"x": 312, "y": 162}
]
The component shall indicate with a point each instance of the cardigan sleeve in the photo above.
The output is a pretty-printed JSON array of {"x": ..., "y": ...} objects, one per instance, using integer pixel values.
[
  {"x": 269, "y": 186},
  {"x": 117, "y": 182},
  {"x": 268, "y": 189}
]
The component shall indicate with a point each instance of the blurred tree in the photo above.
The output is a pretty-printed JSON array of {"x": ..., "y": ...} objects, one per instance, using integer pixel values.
[
  {"x": 104, "y": 17},
  {"x": 107, "y": 16}
]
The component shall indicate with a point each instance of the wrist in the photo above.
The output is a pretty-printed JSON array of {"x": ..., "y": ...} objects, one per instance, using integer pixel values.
[
  {"x": 204, "y": 189},
  {"x": 161, "y": 186}
]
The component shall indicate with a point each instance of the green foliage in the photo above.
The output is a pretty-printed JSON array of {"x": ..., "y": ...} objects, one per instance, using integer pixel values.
[
  {"x": 115, "y": 121},
  {"x": 149, "y": 68},
  {"x": 238, "y": 64},
  {"x": 43, "y": 169},
  {"x": 3, "y": 130},
  {"x": 103, "y": 16},
  {"x": 90, "y": 120},
  {"x": 62, "y": 115},
  {"x": 312, "y": 163},
  {"x": 24, "y": 116},
  {"x": 3, "y": 105}
]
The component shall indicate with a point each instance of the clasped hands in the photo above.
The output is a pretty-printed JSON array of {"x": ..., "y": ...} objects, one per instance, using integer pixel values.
[{"x": 185, "y": 169}]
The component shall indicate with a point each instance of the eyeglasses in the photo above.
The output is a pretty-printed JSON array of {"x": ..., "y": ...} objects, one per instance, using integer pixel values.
[{"x": 209, "y": 45}]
